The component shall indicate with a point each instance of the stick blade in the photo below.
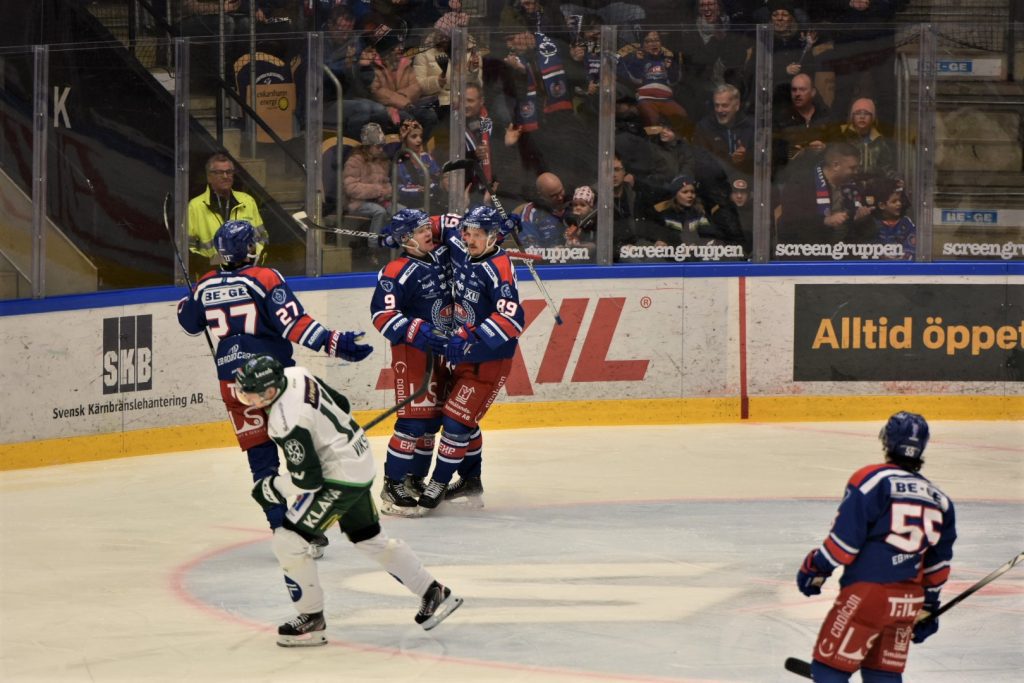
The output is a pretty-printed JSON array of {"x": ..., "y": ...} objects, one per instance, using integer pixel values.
[
  {"x": 456, "y": 165},
  {"x": 798, "y": 666}
]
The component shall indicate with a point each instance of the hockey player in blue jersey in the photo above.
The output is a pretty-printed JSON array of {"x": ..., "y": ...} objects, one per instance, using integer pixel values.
[
  {"x": 893, "y": 535},
  {"x": 412, "y": 308},
  {"x": 488, "y": 320},
  {"x": 250, "y": 310}
]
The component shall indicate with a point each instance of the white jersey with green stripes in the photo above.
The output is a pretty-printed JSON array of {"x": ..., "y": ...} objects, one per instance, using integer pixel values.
[{"x": 320, "y": 442}]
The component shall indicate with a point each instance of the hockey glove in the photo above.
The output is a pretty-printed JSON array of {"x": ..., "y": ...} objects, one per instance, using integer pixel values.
[
  {"x": 513, "y": 223},
  {"x": 418, "y": 334},
  {"x": 926, "y": 625},
  {"x": 387, "y": 241},
  {"x": 266, "y": 494},
  {"x": 345, "y": 345},
  {"x": 459, "y": 345},
  {"x": 812, "y": 575}
]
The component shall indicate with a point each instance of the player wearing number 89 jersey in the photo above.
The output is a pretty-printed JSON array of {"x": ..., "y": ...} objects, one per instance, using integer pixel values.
[
  {"x": 249, "y": 311},
  {"x": 487, "y": 325},
  {"x": 894, "y": 535}
]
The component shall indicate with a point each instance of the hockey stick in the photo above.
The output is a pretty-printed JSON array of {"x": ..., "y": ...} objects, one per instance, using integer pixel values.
[
  {"x": 184, "y": 268},
  {"x": 464, "y": 163},
  {"x": 306, "y": 222},
  {"x": 424, "y": 386},
  {"x": 802, "y": 668}
]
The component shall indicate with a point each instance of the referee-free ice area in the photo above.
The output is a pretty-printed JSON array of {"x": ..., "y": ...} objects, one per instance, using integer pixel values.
[{"x": 603, "y": 554}]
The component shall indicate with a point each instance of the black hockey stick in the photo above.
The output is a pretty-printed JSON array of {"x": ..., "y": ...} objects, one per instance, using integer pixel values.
[
  {"x": 306, "y": 222},
  {"x": 465, "y": 163},
  {"x": 184, "y": 268},
  {"x": 424, "y": 386},
  {"x": 802, "y": 668}
]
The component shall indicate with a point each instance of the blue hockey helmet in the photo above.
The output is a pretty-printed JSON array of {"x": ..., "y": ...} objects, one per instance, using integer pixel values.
[
  {"x": 405, "y": 223},
  {"x": 235, "y": 241},
  {"x": 904, "y": 438},
  {"x": 484, "y": 217}
]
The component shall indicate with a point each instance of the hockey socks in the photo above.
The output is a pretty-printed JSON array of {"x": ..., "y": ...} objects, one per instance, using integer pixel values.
[
  {"x": 450, "y": 454},
  {"x": 399, "y": 462}
]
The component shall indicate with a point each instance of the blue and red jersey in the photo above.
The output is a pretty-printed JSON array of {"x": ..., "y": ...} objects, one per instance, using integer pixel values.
[
  {"x": 411, "y": 290},
  {"x": 486, "y": 299},
  {"x": 892, "y": 525},
  {"x": 249, "y": 311}
]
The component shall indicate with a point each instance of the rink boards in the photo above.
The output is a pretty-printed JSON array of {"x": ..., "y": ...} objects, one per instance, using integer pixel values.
[{"x": 112, "y": 374}]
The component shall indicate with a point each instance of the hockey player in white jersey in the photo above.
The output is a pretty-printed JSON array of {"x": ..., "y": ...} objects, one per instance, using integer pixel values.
[{"x": 330, "y": 470}]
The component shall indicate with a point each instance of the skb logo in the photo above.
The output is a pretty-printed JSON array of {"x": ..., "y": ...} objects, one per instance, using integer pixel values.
[{"x": 127, "y": 354}]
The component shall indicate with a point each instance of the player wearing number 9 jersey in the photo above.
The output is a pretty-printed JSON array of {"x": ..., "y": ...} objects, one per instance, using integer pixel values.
[
  {"x": 249, "y": 311},
  {"x": 893, "y": 535}
]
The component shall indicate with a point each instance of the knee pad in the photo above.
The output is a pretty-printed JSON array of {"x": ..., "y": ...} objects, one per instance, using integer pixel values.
[
  {"x": 411, "y": 427},
  {"x": 364, "y": 534},
  {"x": 289, "y": 547},
  {"x": 263, "y": 460},
  {"x": 456, "y": 431}
]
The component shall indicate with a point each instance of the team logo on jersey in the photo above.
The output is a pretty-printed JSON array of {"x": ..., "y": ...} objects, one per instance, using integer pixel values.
[
  {"x": 294, "y": 451},
  {"x": 278, "y": 296},
  {"x": 387, "y": 285},
  {"x": 506, "y": 291},
  {"x": 127, "y": 354}
]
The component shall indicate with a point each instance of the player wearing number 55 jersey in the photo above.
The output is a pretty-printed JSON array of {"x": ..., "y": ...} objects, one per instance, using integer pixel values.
[
  {"x": 894, "y": 536},
  {"x": 250, "y": 310}
]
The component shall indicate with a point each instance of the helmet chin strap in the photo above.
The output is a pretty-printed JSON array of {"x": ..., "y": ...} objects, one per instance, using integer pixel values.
[{"x": 412, "y": 246}]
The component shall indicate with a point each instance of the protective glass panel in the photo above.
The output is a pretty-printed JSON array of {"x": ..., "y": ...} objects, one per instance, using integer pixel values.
[
  {"x": 844, "y": 138},
  {"x": 536, "y": 133},
  {"x": 387, "y": 96},
  {"x": 979, "y": 159},
  {"x": 16, "y": 174},
  {"x": 684, "y": 144},
  {"x": 246, "y": 144}
]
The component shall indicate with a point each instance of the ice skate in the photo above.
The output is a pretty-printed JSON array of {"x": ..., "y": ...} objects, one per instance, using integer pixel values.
[
  {"x": 466, "y": 491},
  {"x": 303, "y": 631},
  {"x": 437, "y": 603},
  {"x": 432, "y": 495},
  {"x": 395, "y": 500},
  {"x": 316, "y": 547},
  {"x": 414, "y": 485}
]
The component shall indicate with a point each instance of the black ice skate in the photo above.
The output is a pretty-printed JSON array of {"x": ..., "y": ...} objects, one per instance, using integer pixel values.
[
  {"x": 395, "y": 500},
  {"x": 438, "y": 602},
  {"x": 414, "y": 485},
  {"x": 432, "y": 495},
  {"x": 466, "y": 491},
  {"x": 303, "y": 631}
]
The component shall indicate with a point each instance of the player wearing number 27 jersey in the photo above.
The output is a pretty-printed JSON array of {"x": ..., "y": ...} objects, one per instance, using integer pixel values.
[
  {"x": 250, "y": 311},
  {"x": 893, "y": 535}
]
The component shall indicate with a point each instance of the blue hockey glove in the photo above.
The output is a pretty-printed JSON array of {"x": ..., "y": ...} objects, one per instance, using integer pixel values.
[
  {"x": 345, "y": 345},
  {"x": 925, "y": 628},
  {"x": 266, "y": 494},
  {"x": 513, "y": 222},
  {"x": 459, "y": 344},
  {"x": 812, "y": 575},
  {"x": 387, "y": 241},
  {"x": 437, "y": 342},
  {"x": 418, "y": 334}
]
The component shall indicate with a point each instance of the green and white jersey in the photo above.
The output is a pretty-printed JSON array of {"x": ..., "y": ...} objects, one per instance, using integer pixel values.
[{"x": 320, "y": 442}]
